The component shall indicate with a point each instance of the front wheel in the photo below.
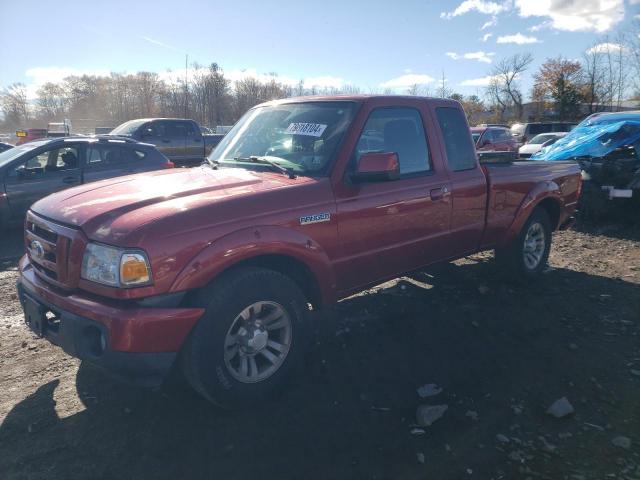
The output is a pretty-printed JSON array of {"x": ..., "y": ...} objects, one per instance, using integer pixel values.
[
  {"x": 527, "y": 255},
  {"x": 250, "y": 339}
]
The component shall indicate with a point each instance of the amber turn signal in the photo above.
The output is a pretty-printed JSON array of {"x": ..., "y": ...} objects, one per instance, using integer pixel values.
[{"x": 134, "y": 269}]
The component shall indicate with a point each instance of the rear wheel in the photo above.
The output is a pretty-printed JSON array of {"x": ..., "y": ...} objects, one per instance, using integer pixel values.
[
  {"x": 527, "y": 255},
  {"x": 250, "y": 340}
]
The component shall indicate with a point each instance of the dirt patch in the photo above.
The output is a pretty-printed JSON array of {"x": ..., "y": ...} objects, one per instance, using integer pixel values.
[{"x": 501, "y": 353}]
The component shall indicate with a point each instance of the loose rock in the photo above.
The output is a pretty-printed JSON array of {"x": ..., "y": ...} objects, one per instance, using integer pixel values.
[
  {"x": 502, "y": 438},
  {"x": 426, "y": 415},
  {"x": 420, "y": 457},
  {"x": 472, "y": 415},
  {"x": 560, "y": 408},
  {"x": 622, "y": 442},
  {"x": 429, "y": 390}
]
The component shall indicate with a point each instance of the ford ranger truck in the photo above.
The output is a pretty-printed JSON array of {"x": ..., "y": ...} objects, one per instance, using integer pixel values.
[{"x": 212, "y": 271}]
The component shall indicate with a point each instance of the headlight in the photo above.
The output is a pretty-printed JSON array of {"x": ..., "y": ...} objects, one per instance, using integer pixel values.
[{"x": 114, "y": 266}]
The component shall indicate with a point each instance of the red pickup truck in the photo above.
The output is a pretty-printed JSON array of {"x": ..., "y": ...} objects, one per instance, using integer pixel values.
[{"x": 213, "y": 271}]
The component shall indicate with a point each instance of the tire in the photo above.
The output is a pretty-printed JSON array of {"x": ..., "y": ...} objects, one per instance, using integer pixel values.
[
  {"x": 276, "y": 335},
  {"x": 525, "y": 266}
]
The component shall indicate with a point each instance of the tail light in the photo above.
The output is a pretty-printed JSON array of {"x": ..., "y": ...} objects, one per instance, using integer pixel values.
[
  {"x": 169, "y": 165},
  {"x": 580, "y": 180}
]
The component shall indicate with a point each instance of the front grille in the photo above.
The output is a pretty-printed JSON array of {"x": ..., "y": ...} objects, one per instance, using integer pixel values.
[{"x": 48, "y": 246}]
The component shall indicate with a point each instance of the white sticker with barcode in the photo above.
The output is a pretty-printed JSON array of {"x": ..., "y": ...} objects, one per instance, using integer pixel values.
[{"x": 310, "y": 129}]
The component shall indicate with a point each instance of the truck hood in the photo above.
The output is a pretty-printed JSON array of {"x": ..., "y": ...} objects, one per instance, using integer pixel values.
[{"x": 124, "y": 204}]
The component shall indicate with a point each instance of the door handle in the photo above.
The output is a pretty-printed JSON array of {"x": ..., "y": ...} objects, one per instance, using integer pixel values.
[
  {"x": 166, "y": 140},
  {"x": 69, "y": 180},
  {"x": 438, "y": 193}
]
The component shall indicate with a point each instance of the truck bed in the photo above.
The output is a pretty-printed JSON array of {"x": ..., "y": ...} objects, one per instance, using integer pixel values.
[{"x": 509, "y": 185}]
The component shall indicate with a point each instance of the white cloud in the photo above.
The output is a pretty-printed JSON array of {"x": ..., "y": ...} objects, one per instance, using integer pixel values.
[
  {"x": 570, "y": 15},
  {"x": 408, "y": 80},
  {"x": 323, "y": 81},
  {"x": 477, "y": 82},
  {"x": 518, "y": 38},
  {"x": 486, "y": 37},
  {"x": 479, "y": 56},
  {"x": 326, "y": 81},
  {"x": 606, "y": 47},
  {"x": 38, "y": 76},
  {"x": 481, "y": 6},
  {"x": 489, "y": 23},
  {"x": 575, "y": 15}
]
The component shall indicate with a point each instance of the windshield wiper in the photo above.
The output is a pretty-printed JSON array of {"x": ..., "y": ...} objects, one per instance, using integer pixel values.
[{"x": 287, "y": 171}]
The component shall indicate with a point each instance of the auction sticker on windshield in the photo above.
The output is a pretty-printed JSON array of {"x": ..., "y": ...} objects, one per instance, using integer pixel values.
[{"x": 310, "y": 129}]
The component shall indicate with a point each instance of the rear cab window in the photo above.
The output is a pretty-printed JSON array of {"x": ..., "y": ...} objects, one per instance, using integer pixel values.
[{"x": 461, "y": 154}]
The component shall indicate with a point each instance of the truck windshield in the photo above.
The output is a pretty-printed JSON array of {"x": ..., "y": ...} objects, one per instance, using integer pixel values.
[
  {"x": 302, "y": 137},
  {"x": 127, "y": 128}
]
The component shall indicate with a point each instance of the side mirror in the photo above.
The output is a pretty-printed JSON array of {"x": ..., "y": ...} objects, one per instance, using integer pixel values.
[
  {"x": 377, "y": 167},
  {"x": 485, "y": 143}
]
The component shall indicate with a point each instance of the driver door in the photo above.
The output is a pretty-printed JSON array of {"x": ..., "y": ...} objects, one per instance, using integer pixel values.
[{"x": 389, "y": 227}]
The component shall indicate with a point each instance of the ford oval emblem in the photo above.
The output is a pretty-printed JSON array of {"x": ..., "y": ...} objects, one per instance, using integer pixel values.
[{"x": 37, "y": 250}]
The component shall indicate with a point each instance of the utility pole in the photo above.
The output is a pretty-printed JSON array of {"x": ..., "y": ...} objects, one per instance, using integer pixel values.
[{"x": 186, "y": 84}]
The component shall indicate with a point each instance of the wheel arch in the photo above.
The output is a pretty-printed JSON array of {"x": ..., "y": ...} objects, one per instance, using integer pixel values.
[
  {"x": 546, "y": 195},
  {"x": 275, "y": 248}
]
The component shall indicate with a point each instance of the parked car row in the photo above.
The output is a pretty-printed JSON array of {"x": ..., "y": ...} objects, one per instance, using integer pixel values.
[
  {"x": 36, "y": 169},
  {"x": 181, "y": 140},
  {"x": 523, "y": 139}
]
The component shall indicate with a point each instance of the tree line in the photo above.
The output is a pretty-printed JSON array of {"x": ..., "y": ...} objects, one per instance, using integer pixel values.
[
  {"x": 562, "y": 88},
  {"x": 567, "y": 89}
]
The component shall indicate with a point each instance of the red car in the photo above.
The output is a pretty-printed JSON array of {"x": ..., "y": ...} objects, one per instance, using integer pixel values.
[
  {"x": 496, "y": 139},
  {"x": 213, "y": 271}
]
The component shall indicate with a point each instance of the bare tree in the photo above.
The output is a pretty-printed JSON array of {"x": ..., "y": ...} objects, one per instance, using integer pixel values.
[
  {"x": 497, "y": 98},
  {"x": 51, "y": 101},
  {"x": 15, "y": 105},
  {"x": 595, "y": 88},
  {"x": 504, "y": 87},
  {"x": 633, "y": 46}
]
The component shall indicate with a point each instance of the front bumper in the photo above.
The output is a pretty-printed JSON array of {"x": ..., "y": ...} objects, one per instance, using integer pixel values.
[{"x": 135, "y": 344}]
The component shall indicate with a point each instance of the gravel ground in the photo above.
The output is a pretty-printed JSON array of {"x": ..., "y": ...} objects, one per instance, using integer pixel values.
[{"x": 502, "y": 354}]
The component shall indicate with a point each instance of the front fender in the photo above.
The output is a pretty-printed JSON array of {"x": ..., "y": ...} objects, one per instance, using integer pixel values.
[
  {"x": 540, "y": 192},
  {"x": 252, "y": 242}
]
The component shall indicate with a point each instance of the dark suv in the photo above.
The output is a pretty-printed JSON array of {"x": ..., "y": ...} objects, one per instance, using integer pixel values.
[{"x": 36, "y": 169}]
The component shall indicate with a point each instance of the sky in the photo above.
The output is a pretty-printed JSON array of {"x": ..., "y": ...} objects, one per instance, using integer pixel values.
[{"x": 368, "y": 43}]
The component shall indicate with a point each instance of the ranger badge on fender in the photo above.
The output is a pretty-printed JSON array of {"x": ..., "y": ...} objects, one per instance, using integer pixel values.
[{"x": 317, "y": 218}]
